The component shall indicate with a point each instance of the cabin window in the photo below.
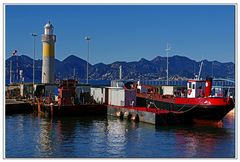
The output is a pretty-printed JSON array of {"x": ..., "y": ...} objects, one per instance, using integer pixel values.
[
  {"x": 193, "y": 86},
  {"x": 189, "y": 85}
]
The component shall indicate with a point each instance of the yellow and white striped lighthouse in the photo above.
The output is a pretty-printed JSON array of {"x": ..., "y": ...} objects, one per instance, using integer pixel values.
[{"x": 48, "y": 42}]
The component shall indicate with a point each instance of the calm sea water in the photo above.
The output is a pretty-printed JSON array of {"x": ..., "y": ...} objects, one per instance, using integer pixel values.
[{"x": 72, "y": 137}]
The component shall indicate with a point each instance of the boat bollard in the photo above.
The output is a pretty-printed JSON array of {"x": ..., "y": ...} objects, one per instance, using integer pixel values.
[
  {"x": 135, "y": 117},
  {"x": 119, "y": 114},
  {"x": 127, "y": 115}
]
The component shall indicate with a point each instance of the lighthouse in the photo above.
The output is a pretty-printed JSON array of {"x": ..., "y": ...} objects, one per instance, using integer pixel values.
[{"x": 48, "y": 54}]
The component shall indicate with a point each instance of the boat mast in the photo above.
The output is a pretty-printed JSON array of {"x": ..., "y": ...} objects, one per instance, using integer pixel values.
[
  {"x": 11, "y": 71},
  {"x": 74, "y": 73},
  {"x": 199, "y": 73},
  {"x": 120, "y": 72},
  {"x": 167, "y": 49}
]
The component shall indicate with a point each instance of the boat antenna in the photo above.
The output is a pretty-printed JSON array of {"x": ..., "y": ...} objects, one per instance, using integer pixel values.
[
  {"x": 199, "y": 73},
  {"x": 194, "y": 70},
  {"x": 74, "y": 73},
  {"x": 120, "y": 72},
  {"x": 11, "y": 71},
  {"x": 167, "y": 50}
]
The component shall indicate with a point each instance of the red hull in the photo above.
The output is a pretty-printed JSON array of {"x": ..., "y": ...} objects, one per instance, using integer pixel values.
[
  {"x": 195, "y": 109},
  {"x": 208, "y": 101},
  {"x": 204, "y": 101}
]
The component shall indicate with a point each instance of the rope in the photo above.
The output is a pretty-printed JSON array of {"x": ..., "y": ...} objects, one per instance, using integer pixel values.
[
  {"x": 162, "y": 118},
  {"x": 181, "y": 108},
  {"x": 192, "y": 107},
  {"x": 153, "y": 103}
]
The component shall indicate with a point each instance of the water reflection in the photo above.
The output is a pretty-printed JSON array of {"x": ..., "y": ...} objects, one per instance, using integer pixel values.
[
  {"x": 20, "y": 128},
  {"x": 112, "y": 137},
  {"x": 116, "y": 138},
  {"x": 230, "y": 117},
  {"x": 53, "y": 133},
  {"x": 44, "y": 141},
  {"x": 202, "y": 141},
  {"x": 121, "y": 136},
  {"x": 196, "y": 140},
  {"x": 97, "y": 138}
]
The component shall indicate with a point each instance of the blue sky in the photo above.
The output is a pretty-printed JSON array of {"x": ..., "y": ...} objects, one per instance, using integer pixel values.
[{"x": 125, "y": 32}]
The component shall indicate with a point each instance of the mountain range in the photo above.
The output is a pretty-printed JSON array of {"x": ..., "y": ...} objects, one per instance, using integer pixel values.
[{"x": 180, "y": 68}]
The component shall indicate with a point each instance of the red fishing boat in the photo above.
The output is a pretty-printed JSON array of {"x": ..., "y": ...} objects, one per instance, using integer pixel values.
[{"x": 197, "y": 102}]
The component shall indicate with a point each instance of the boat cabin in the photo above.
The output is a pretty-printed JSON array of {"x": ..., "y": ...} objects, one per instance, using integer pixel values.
[{"x": 199, "y": 88}]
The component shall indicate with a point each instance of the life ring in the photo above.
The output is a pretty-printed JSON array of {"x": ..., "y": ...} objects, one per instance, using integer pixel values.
[{"x": 189, "y": 91}]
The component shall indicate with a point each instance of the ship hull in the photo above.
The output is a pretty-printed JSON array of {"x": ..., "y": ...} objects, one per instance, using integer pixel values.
[
  {"x": 210, "y": 113},
  {"x": 211, "y": 109}
]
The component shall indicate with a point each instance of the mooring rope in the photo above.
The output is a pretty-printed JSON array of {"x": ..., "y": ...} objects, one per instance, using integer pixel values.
[
  {"x": 181, "y": 108},
  {"x": 192, "y": 107},
  {"x": 153, "y": 103}
]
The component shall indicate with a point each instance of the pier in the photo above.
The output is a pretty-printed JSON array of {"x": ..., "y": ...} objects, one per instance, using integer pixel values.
[
  {"x": 51, "y": 109},
  {"x": 147, "y": 115},
  {"x": 14, "y": 106}
]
